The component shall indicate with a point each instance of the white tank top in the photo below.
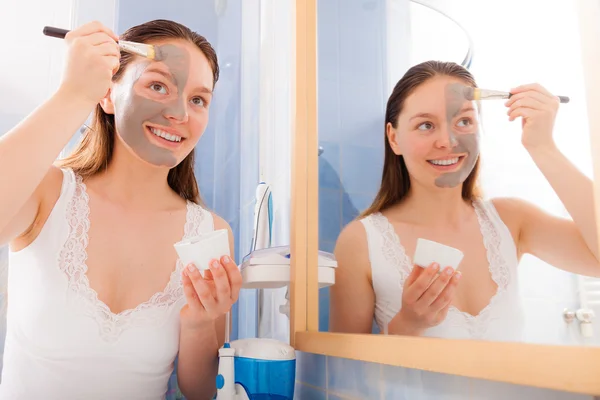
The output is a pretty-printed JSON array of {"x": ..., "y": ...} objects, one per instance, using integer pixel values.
[
  {"x": 501, "y": 320},
  {"x": 62, "y": 342}
]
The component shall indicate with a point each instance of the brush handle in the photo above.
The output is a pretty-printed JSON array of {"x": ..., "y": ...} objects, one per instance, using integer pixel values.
[
  {"x": 562, "y": 99},
  {"x": 55, "y": 32}
]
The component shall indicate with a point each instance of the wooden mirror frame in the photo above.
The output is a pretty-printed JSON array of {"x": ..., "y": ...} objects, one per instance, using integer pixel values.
[{"x": 567, "y": 368}]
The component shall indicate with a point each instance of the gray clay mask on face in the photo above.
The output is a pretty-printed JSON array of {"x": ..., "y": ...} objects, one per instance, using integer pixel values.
[
  {"x": 134, "y": 109},
  {"x": 462, "y": 142}
]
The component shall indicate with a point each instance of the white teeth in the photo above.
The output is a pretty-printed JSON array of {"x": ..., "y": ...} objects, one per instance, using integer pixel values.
[
  {"x": 165, "y": 135},
  {"x": 450, "y": 161}
]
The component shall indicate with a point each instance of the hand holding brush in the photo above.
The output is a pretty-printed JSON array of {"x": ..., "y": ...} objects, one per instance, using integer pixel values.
[{"x": 145, "y": 50}]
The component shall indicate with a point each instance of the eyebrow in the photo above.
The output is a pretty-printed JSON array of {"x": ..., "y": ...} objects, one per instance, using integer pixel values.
[
  {"x": 464, "y": 110},
  {"x": 422, "y": 115},
  {"x": 159, "y": 71},
  {"x": 170, "y": 77},
  {"x": 427, "y": 115}
]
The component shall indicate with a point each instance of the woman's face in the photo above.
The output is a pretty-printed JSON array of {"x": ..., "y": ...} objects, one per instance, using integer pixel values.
[
  {"x": 437, "y": 133},
  {"x": 161, "y": 107}
]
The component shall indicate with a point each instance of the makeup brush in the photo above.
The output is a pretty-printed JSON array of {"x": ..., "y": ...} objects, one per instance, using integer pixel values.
[
  {"x": 471, "y": 93},
  {"x": 145, "y": 50}
]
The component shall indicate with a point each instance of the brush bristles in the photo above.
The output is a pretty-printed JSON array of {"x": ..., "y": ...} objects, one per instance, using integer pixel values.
[
  {"x": 470, "y": 93},
  {"x": 145, "y": 50},
  {"x": 151, "y": 53}
]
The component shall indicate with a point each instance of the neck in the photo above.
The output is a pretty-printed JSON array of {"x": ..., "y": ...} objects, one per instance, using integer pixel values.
[
  {"x": 433, "y": 206},
  {"x": 130, "y": 181}
]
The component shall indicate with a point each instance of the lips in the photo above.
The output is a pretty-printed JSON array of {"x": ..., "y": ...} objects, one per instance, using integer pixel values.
[
  {"x": 445, "y": 164},
  {"x": 165, "y": 135},
  {"x": 163, "y": 138}
]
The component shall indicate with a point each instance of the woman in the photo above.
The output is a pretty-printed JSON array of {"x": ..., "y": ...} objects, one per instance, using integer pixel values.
[
  {"x": 99, "y": 303},
  {"x": 429, "y": 190}
]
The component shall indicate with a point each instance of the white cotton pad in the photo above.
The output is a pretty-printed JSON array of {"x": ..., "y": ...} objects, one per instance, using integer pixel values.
[
  {"x": 200, "y": 250},
  {"x": 428, "y": 252}
]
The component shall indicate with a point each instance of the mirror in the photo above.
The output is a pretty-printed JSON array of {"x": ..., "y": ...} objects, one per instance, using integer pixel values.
[{"x": 528, "y": 272}]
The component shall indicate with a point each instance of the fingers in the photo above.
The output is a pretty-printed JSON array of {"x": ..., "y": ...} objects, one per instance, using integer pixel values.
[
  {"x": 221, "y": 281},
  {"x": 531, "y": 86},
  {"x": 530, "y": 94},
  {"x": 190, "y": 292},
  {"x": 522, "y": 112},
  {"x": 203, "y": 291},
  {"x": 89, "y": 29},
  {"x": 234, "y": 275},
  {"x": 413, "y": 292},
  {"x": 438, "y": 285},
  {"x": 114, "y": 63},
  {"x": 109, "y": 49},
  {"x": 414, "y": 274},
  {"x": 444, "y": 298},
  {"x": 217, "y": 290},
  {"x": 527, "y": 102},
  {"x": 98, "y": 38}
]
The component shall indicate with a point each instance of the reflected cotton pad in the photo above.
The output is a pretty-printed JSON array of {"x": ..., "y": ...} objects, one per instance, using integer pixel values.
[
  {"x": 200, "y": 250},
  {"x": 428, "y": 252}
]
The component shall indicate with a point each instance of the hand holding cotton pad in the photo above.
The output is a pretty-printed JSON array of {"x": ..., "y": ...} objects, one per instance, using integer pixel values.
[
  {"x": 200, "y": 250},
  {"x": 428, "y": 252}
]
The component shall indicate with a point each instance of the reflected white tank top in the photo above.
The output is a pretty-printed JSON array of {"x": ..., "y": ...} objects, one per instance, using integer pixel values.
[
  {"x": 501, "y": 320},
  {"x": 62, "y": 342}
]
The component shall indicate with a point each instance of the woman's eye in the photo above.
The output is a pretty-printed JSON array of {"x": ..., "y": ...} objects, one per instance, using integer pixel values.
[
  {"x": 157, "y": 87},
  {"x": 467, "y": 122},
  {"x": 425, "y": 126},
  {"x": 198, "y": 101}
]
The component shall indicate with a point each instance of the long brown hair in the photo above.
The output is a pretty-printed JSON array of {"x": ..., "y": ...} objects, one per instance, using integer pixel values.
[
  {"x": 395, "y": 181},
  {"x": 94, "y": 152}
]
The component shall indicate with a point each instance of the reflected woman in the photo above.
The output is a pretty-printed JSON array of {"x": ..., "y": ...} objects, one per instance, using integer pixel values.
[{"x": 429, "y": 190}]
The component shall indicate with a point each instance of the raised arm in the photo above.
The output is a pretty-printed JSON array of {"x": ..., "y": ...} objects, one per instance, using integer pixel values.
[
  {"x": 571, "y": 245},
  {"x": 28, "y": 151},
  {"x": 352, "y": 299}
]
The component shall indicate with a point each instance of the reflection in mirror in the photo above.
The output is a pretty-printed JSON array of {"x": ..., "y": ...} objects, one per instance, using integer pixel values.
[{"x": 497, "y": 191}]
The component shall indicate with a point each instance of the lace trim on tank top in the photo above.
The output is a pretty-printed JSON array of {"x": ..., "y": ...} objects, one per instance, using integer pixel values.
[
  {"x": 72, "y": 261},
  {"x": 394, "y": 252}
]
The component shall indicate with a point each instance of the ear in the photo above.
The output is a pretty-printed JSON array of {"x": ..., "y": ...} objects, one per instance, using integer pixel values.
[
  {"x": 392, "y": 136},
  {"x": 107, "y": 103}
]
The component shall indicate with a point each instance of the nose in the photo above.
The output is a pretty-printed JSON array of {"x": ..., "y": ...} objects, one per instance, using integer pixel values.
[
  {"x": 446, "y": 139},
  {"x": 176, "y": 111}
]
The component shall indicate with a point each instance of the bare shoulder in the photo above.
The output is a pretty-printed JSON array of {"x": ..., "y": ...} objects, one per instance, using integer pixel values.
[
  {"x": 219, "y": 222},
  {"x": 514, "y": 210},
  {"x": 351, "y": 249},
  {"x": 52, "y": 183},
  {"x": 353, "y": 234}
]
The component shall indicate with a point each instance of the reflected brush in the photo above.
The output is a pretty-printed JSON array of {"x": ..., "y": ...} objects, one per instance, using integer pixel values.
[
  {"x": 141, "y": 49},
  {"x": 471, "y": 93}
]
